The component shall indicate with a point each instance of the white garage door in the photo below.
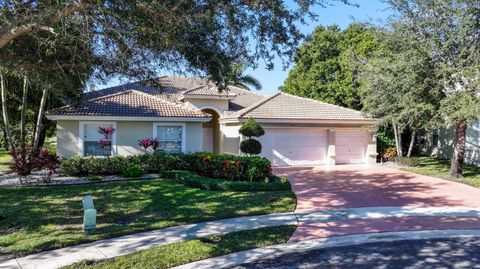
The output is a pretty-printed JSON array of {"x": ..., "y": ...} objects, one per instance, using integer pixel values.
[
  {"x": 294, "y": 146},
  {"x": 350, "y": 146}
]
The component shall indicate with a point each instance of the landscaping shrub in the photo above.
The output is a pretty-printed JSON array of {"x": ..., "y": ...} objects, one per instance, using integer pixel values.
[
  {"x": 230, "y": 167},
  {"x": 250, "y": 129},
  {"x": 22, "y": 164},
  {"x": 405, "y": 161},
  {"x": 47, "y": 161},
  {"x": 389, "y": 154},
  {"x": 133, "y": 171},
  {"x": 221, "y": 166},
  {"x": 251, "y": 146},
  {"x": 193, "y": 180}
]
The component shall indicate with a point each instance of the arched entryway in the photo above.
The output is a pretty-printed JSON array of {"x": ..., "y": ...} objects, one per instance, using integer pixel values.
[{"x": 211, "y": 132}]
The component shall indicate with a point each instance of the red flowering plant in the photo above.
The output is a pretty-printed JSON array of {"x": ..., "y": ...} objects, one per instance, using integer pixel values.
[
  {"x": 106, "y": 131},
  {"x": 48, "y": 162},
  {"x": 154, "y": 143},
  {"x": 103, "y": 143},
  {"x": 144, "y": 143}
]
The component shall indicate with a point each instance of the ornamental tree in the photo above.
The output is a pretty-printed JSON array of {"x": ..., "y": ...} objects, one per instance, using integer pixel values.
[{"x": 250, "y": 129}]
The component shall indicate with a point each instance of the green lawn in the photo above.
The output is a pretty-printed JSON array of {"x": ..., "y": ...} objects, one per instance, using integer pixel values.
[
  {"x": 43, "y": 218},
  {"x": 439, "y": 168},
  {"x": 4, "y": 160},
  {"x": 181, "y": 253}
]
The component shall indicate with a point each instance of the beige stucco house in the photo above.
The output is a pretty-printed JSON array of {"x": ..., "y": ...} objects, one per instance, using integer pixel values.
[{"x": 190, "y": 114}]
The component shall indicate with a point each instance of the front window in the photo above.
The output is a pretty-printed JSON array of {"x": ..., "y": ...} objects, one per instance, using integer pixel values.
[
  {"x": 94, "y": 141},
  {"x": 170, "y": 138}
]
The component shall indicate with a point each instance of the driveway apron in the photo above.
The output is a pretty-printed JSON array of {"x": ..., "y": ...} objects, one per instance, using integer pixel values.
[{"x": 358, "y": 186}]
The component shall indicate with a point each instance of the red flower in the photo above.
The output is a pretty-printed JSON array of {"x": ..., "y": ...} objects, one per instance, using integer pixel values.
[
  {"x": 103, "y": 143},
  {"x": 154, "y": 143},
  {"x": 106, "y": 131},
  {"x": 144, "y": 143}
]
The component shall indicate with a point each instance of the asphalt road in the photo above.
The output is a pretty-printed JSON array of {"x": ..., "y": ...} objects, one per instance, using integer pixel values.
[{"x": 439, "y": 253}]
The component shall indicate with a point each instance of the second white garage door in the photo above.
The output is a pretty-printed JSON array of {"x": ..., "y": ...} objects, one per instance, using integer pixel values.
[
  {"x": 295, "y": 146},
  {"x": 350, "y": 146}
]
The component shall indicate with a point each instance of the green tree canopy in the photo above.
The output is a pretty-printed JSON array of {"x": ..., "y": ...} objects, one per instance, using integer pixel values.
[
  {"x": 400, "y": 85},
  {"x": 450, "y": 30},
  {"x": 325, "y": 68}
]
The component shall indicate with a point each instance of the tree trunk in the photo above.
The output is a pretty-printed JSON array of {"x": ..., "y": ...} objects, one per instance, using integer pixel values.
[
  {"x": 22, "y": 113},
  {"x": 5, "y": 113},
  {"x": 5, "y": 139},
  {"x": 412, "y": 142},
  {"x": 38, "y": 127},
  {"x": 43, "y": 136},
  {"x": 398, "y": 140},
  {"x": 456, "y": 167}
]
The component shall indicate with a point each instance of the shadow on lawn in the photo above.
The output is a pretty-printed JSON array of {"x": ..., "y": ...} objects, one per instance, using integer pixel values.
[{"x": 52, "y": 216}]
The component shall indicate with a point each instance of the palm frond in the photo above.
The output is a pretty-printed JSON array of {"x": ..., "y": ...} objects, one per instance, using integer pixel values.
[{"x": 248, "y": 80}]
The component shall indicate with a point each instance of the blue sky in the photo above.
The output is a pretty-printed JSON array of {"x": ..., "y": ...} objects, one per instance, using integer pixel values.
[{"x": 374, "y": 11}]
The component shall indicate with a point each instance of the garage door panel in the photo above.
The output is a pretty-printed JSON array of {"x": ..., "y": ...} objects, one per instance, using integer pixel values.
[
  {"x": 350, "y": 146},
  {"x": 291, "y": 146}
]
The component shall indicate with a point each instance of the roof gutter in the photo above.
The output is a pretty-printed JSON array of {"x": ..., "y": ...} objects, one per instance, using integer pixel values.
[
  {"x": 118, "y": 118},
  {"x": 237, "y": 120}
]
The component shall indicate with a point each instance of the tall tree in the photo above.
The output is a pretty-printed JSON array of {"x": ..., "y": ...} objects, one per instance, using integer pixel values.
[
  {"x": 325, "y": 68},
  {"x": 450, "y": 29},
  {"x": 138, "y": 37},
  {"x": 401, "y": 86}
]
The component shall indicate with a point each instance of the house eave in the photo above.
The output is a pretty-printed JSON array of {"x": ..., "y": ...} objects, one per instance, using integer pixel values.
[
  {"x": 120, "y": 118},
  {"x": 202, "y": 96},
  {"x": 316, "y": 121}
]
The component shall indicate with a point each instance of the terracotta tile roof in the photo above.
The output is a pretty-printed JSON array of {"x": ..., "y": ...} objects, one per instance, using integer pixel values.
[
  {"x": 286, "y": 106},
  {"x": 171, "y": 88},
  {"x": 129, "y": 103},
  {"x": 243, "y": 99}
]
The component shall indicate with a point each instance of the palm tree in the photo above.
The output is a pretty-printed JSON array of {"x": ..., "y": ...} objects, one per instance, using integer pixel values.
[{"x": 241, "y": 80}]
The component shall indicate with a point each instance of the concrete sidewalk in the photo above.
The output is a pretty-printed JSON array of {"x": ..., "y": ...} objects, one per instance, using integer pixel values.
[{"x": 114, "y": 247}]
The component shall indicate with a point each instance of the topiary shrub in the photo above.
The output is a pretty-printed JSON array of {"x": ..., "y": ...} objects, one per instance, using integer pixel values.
[
  {"x": 250, "y": 129},
  {"x": 251, "y": 146}
]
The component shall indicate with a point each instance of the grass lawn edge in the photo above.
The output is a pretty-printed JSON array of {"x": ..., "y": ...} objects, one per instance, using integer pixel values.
[{"x": 170, "y": 255}]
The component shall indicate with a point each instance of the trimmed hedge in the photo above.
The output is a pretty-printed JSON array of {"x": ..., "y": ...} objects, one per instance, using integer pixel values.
[
  {"x": 220, "y": 166},
  {"x": 193, "y": 180}
]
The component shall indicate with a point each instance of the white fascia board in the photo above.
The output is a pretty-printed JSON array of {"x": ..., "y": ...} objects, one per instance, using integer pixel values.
[
  {"x": 202, "y": 96},
  {"x": 373, "y": 121},
  {"x": 116, "y": 118}
]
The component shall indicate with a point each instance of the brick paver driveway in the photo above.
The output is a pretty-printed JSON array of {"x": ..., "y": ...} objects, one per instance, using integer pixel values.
[{"x": 353, "y": 186}]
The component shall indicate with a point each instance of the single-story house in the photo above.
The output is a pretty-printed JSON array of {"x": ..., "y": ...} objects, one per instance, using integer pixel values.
[
  {"x": 190, "y": 114},
  {"x": 439, "y": 143}
]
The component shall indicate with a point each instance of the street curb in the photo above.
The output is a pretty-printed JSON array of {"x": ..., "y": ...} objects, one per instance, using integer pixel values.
[{"x": 276, "y": 251}]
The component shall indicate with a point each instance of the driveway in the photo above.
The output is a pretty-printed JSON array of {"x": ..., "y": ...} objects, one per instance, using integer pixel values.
[{"x": 354, "y": 186}]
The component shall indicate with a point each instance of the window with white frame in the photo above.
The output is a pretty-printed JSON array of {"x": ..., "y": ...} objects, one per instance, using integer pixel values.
[
  {"x": 171, "y": 138},
  {"x": 96, "y": 143}
]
